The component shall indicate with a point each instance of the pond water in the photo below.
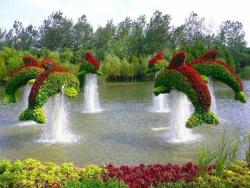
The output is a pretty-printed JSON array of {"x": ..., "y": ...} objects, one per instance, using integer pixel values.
[{"x": 125, "y": 132}]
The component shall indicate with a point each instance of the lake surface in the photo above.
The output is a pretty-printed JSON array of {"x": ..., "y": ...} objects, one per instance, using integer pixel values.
[{"x": 122, "y": 133}]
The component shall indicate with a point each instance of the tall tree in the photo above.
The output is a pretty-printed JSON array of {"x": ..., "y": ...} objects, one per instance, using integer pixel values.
[
  {"x": 82, "y": 34},
  {"x": 158, "y": 32},
  {"x": 231, "y": 34},
  {"x": 104, "y": 38},
  {"x": 193, "y": 29},
  {"x": 56, "y": 32}
]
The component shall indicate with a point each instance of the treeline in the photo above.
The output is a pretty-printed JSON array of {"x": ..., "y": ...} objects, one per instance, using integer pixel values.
[{"x": 123, "y": 48}]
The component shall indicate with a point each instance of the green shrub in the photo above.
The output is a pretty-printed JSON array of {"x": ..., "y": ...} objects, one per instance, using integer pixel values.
[{"x": 93, "y": 183}]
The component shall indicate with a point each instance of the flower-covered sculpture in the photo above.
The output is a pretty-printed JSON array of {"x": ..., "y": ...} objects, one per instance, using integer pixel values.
[
  {"x": 209, "y": 66},
  {"x": 89, "y": 65},
  {"x": 49, "y": 83},
  {"x": 157, "y": 63},
  {"x": 186, "y": 79},
  {"x": 31, "y": 69}
]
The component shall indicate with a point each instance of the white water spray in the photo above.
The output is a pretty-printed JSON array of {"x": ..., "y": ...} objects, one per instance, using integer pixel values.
[
  {"x": 181, "y": 109},
  {"x": 25, "y": 99},
  {"x": 56, "y": 130},
  {"x": 212, "y": 93},
  {"x": 160, "y": 102},
  {"x": 91, "y": 96},
  {"x": 25, "y": 103}
]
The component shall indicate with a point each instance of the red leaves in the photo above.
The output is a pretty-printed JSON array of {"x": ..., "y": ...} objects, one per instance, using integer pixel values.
[
  {"x": 30, "y": 60},
  {"x": 91, "y": 59},
  {"x": 208, "y": 58},
  {"x": 146, "y": 176},
  {"x": 159, "y": 57},
  {"x": 178, "y": 59},
  {"x": 200, "y": 87},
  {"x": 211, "y": 54},
  {"x": 51, "y": 66}
]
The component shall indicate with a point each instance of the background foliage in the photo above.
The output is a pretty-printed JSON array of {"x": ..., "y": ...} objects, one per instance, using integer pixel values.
[{"x": 123, "y": 48}]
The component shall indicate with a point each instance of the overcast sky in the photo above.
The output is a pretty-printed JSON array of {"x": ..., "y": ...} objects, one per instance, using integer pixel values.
[{"x": 99, "y": 11}]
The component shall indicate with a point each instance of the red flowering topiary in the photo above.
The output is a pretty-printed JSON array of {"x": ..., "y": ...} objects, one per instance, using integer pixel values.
[
  {"x": 28, "y": 60},
  {"x": 143, "y": 176},
  {"x": 178, "y": 59},
  {"x": 209, "y": 66},
  {"x": 211, "y": 54},
  {"x": 186, "y": 79},
  {"x": 91, "y": 59},
  {"x": 159, "y": 57}
]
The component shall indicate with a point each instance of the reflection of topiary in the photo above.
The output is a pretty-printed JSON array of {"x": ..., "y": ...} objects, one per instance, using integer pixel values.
[
  {"x": 89, "y": 65},
  {"x": 31, "y": 69},
  {"x": 157, "y": 62},
  {"x": 184, "y": 78},
  {"x": 47, "y": 84},
  {"x": 208, "y": 65}
]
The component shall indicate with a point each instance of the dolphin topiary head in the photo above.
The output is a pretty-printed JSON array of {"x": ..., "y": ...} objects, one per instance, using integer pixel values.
[{"x": 157, "y": 63}]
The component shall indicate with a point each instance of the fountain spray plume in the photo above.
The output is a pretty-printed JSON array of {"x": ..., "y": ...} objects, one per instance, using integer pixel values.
[
  {"x": 87, "y": 75},
  {"x": 160, "y": 103}
]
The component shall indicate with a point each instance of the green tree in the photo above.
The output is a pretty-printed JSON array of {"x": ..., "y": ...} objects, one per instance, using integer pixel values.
[
  {"x": 56, "y": 32},
  {"x": 158, "y": 33},
  {"x": 82, "y": 34}
]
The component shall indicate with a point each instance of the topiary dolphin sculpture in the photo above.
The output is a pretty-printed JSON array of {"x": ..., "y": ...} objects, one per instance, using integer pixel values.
[
  {"x": 186, "y": 79},
  {"x": 157, "y": 63},
  {"x": 31, "y": 69},
  {"x": 89, "y": 65},
  {"x": 47, "y": 84},
  {"x": 209, "y": 66}
]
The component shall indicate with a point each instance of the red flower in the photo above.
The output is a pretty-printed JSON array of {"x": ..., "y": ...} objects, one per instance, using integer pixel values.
[
  {"x": 211, "y": 54},
  {"x": 208, "y": 61},
  {"x": 147, "y": 176},
  {"x": 159, "y": 57},
  {"x": 28, "y": 60},
  {"x": 91, "y": 59},
  {"x": 178, "y": 59}
]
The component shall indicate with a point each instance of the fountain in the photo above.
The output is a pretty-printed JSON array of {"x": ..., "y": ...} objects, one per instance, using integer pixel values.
[
  {"x": 181, "y": 109},
  {"x": 26, "y": 92},
  {"x": 160, "y": 103},
  {"x": 25, "y": 103},
  {"x": 56, "y": 130},
  {"x": 91, "y": 97},
  {"x": 212, "y": 93}
]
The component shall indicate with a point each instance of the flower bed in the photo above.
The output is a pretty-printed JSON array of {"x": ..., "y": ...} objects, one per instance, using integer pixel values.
[{"x": 33, "y": 173}]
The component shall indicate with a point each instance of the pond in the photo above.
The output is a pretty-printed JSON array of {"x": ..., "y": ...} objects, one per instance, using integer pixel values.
[{"x": 125, "y": 132}]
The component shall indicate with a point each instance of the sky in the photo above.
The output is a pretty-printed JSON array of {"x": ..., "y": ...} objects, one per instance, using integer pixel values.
[{"x": 99, "y": 11}]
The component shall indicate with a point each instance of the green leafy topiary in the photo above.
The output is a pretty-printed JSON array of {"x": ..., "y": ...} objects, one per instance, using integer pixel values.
[
  {"x": 85, "y": 69},
  {"x": 42, "y": 91},
  {"x": 240, "y": 96},
  {"x": 35, "y": 114},
  {"x": 19, "y": 79},
  {"x": 157, "y": 66},
  {"x": 199, "y": 118}
]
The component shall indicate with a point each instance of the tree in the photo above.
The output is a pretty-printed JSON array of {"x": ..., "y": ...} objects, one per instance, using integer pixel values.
[
  {"x": 104, "y": 38},
  {"x": 82, "y": 34},
  {"x": 136, "y": 38},
  {"x": 193, "y": 29},
  {"x": 232, "y": 35},
  {"x": 56, "y": 32},
  {"x": 158, "y": 33}
]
